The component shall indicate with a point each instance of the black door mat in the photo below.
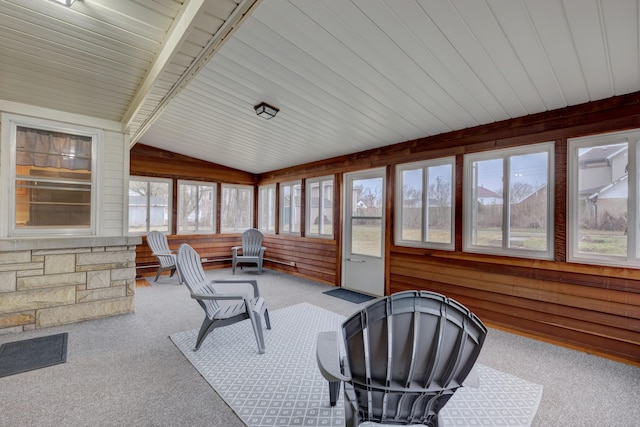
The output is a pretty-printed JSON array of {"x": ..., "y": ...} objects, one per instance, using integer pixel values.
[
  {"x": 35, "y": 353},
  {"x": 347, "y": 295}
]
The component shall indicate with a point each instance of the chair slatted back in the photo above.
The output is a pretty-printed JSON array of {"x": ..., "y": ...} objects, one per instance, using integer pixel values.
[
  {"x": 158, "y": 243},
  {"x": 251, "y": 242},
  {"x": 408, "y": 353},
  {"x": 194, "y": 277}
]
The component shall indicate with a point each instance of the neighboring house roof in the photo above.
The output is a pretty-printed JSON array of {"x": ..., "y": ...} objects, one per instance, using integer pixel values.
[
  {"x": 601, "y": 154},
  {"x": 616, "y": 190},
  {"x": 533, "y": 194},
  {"x": 486, "y": 193}
]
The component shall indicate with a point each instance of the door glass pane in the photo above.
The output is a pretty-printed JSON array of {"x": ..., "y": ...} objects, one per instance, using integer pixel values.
[
  {"x": 366, "y": 216},
  {"x": 366, "y": 237},
  {"x": 603, "y": 190},
  {"x": 367, "y": 197}
]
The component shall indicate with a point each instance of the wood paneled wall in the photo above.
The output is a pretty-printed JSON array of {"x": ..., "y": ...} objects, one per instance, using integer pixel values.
[{"x": 593, "y": 308}]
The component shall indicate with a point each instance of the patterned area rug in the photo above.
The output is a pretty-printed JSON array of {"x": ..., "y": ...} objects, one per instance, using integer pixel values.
[{"x": 283, "y": 387}]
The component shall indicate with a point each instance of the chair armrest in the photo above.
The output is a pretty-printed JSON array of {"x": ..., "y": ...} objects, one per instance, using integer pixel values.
[
  {"x": 235, "y": 249},
  {"x": 221, "y": 297},
  {"x": 254, "y": 283},
  {"x": 328, "y": 357}
]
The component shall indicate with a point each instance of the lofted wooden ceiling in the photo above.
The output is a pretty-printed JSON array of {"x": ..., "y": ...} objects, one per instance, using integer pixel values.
[{"x": 347, "y": 76}]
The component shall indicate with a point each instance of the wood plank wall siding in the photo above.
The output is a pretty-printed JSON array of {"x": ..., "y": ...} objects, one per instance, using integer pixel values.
[{"x": 588, "y": 307}]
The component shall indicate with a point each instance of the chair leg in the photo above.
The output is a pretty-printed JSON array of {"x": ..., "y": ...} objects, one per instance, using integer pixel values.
[
  {"x": 334, "y": 389},
  {"x": 204, "y": 331},
  {"x": 158, "y": 274},
  {"x": 233, "y": 266},
  {"x": 257, "y": 329},
  {"x": 266, "y": 318}
]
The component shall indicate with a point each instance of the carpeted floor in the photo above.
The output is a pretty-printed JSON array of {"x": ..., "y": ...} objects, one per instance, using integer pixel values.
[
  {"x": 125, "y": 371},
  {"x": 284, "y": 387}
]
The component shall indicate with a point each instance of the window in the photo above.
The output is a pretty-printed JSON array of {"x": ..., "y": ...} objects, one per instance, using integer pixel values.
[
  {"x": 424, "y": 213},
  {"x": 509, "y": 200},
  {"x": 149, "y": 205},
  {"x": 603, "y": 184},
  {"x": 267, "y": 209},
  {"x": 290, "y": 198},
  {"x": 236, "y": 210},
  {"x": 196, "y": 207},
  {"x": 319, "y": 203},
  {"x": 53, "y": 175}
]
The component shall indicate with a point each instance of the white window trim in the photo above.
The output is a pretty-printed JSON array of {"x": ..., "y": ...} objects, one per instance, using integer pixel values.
[
  {"x": 424, "y": 165},
  {"x": 215, "y": 195},
  {"x": 307, "y": 202},
  {"x": 169, "y": 205},
  {"x": 287, "y": 231},
  {"x": 10, "y": 123},
  {"x": 632, "y": 138},
  {"x": 261, "y": 227},
  {"x": 468, "y": 195}
]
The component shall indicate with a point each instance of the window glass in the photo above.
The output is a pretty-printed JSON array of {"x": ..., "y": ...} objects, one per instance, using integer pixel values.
[
  {"x": 196, "y": 207},
  {"x": 290, "y": 202},
  {"x": 53, "y": 177},
  {"x": 149, "y": 205},
  {"x": 319, "y": 213},
  {"x": 509, "y": 200},
  {"x": 425, "y": 204},
  {"x": 603, "y": 229},
  {"x": 236, "y": 210},
  {"x": 267, "y": 209}
]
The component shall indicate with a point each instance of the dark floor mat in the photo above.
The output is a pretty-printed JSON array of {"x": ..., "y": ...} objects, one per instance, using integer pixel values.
[
  {"x": 35, "y": 353},
  {"x": 351, "y": 296}
]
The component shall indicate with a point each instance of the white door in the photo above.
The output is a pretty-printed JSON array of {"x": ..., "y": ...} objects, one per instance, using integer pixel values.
[{"x": 363, "y": 263}]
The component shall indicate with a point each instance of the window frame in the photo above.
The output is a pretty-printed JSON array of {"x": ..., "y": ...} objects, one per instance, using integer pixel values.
[
  {"x": 148, "y": 180},
  {"x": 286, "y": 228},
  {"x": 308, "y": 200},
  {"x": 198, "y": 184},
  {"x": 632, "y": 257},
  {"x": 424, "y": 165},
  {"x": 272, "y": 207},
  {"x": 237, "y": 229},
  {"x": 9, "y": 125},
  {"x": 505, "y": 154}
]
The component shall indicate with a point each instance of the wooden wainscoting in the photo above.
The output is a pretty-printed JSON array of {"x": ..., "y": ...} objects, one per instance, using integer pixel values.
[{"x": 593, "y": 308}]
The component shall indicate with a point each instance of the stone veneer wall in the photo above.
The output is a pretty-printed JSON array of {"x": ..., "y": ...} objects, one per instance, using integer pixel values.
[{"x": 58, "y": 281}]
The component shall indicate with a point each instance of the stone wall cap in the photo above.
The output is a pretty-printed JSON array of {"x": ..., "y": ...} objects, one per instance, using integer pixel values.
[{"x": 64, "y": 242}]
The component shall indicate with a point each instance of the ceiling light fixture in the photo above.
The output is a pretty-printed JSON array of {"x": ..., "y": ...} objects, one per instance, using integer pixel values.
[
  {"x": 67, "y": 3},
  {"x": 265, "y": 110}
]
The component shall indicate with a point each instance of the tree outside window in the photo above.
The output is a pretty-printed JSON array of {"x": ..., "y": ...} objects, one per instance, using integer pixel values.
[
  {"x": 508, "y": 201},
  {"x": 149, "y": 205},
  {"x": 267, "y": 209},
  {"x": 603, "y": 199},
  {"x": 196, "y": 207},
  {"x": 236, "y": 210},
  {"x": 425, "y": 204},
  {"x": 319, "y": 203},
  {"x": 290, "y": 202}
]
